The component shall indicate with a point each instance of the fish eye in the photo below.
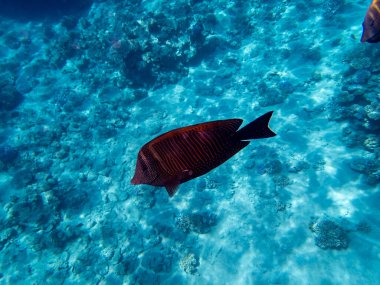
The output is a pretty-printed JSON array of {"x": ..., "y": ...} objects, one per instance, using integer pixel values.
[{"x": 371, "y": 22}]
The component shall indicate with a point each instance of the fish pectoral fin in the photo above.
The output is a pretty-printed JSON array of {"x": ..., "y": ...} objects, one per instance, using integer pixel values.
[
  {"x": 172, "y": 188},
  {"x": 187, "y": 172}
]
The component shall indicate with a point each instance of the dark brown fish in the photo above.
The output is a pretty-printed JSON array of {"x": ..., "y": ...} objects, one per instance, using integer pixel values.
[
  {"x": 186, "y": 153},
  {"x": 371, "y": 24}
]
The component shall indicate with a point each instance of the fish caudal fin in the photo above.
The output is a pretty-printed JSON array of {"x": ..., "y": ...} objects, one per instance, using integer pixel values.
[{"x": 258, "y": 129}]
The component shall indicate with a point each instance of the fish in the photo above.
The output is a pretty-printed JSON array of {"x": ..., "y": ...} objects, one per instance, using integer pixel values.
[
  {"x": 371, "y": 24},
  {"x": 186, "y": 153}
]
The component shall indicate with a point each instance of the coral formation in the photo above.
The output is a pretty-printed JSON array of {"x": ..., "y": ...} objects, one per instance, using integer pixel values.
[
  {"x": 189, "y": 263},
  {"x": 328, "y": 234},
  {"x": 200, "y": 222}
]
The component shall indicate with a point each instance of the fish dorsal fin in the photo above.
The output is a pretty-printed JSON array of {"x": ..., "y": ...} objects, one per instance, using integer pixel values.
[
  {"x": 227, "y": 126},
  {"x": 231, "y": 125},
  {"x": 234, "y": 124},
  {"x": 172, "y": 189}
]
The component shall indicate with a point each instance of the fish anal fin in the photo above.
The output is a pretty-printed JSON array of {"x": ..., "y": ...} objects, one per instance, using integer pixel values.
[{"x": 172, "y": 188}]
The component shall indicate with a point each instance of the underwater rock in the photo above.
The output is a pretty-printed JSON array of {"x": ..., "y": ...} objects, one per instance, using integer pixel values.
[
  {"x": 337, "y": 112},
  {"x": 363, "y": 227},
  {"x": 250, "y": 164},
  {"x": 113, "y": 279},
  {"x": 360, "y": 62},
  {"x": 69, "y": 22},
  {"x": 317, "y": 161},
  {"x": 189, "y": 263},
  {"x": 10, "y": 98},
  {"x": 161, "y": 26},
  {"x": 297, "y": 166},
  {"x": 29, "y": 211},
  {"x": 372, "y": 143},
  {"x": 66, "y": 47},
  {"x": 329, "y": 235},
  {"x": 24, "y": 83},
  {"x": 269, "y": 96},
  {"x": 145, "y": 198},
  {"x": 138, "y": 70},
  {"x": 142, "y": 277},
  {"x": 128, "y": 263},
  {"x": 64, "y": 233},
  {"x": 40, "y": 241},
  {"x": 70, "y": 197},
  {"x": 211, "y": 44},
  {"x": 343, "y": 98},
  {"x": 281, "y": 181},
  {"x": 196, "y": 33},
  {"x": 8, "y": 154},
  {"x": 57, "y": 273},
  {"x": 90, "y": 265},
  {"x": 152, "y": 238},
  {"x": 6, "y": 235},
  {"x": 373, "y": 111},
  {"x": 12, "y": 41},
  {"x": 69, "y": 100},
  {"x": 361, "y": 76},
  {"x": 202, "y": 222},
  {"x": 157, "y": 260},
  {"x": 106, "y": 132},
  {"x": 285, "y": 86},
  {"x": 108, "y": 233},
  {"x": 351, "y": 138},
  {"x": 363, "y": 165},
  {"x": 373, "y": 178},
  {"x": 273, "y": 166}
]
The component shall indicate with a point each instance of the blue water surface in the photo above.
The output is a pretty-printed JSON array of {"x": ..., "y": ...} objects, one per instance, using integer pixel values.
[{"x": 85, "y": 84}]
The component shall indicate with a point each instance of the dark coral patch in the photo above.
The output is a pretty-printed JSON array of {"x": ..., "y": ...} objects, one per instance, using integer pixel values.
[{"x": 41, "y": 9}]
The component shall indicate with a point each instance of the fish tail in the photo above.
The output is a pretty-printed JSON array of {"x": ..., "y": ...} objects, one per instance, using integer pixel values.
[{"x": 258, "y": 129}]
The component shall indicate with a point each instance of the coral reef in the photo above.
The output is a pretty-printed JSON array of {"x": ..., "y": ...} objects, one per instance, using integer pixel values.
[
  {"x": 189, "y": 263},
  {"x": 328, "y": 234},
  {"x": 370, "y": 167},
  {"x": 157, "y": 260},
  {"x": 200, "y": 222}
]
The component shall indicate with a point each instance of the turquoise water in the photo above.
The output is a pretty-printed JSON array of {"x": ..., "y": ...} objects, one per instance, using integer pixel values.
[{"x": 85, "y": 84}]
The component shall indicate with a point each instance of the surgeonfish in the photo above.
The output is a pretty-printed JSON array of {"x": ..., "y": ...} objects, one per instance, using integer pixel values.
[
  {"x": 189, "y": 152},
  {"x": 371, "y": 24}
]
